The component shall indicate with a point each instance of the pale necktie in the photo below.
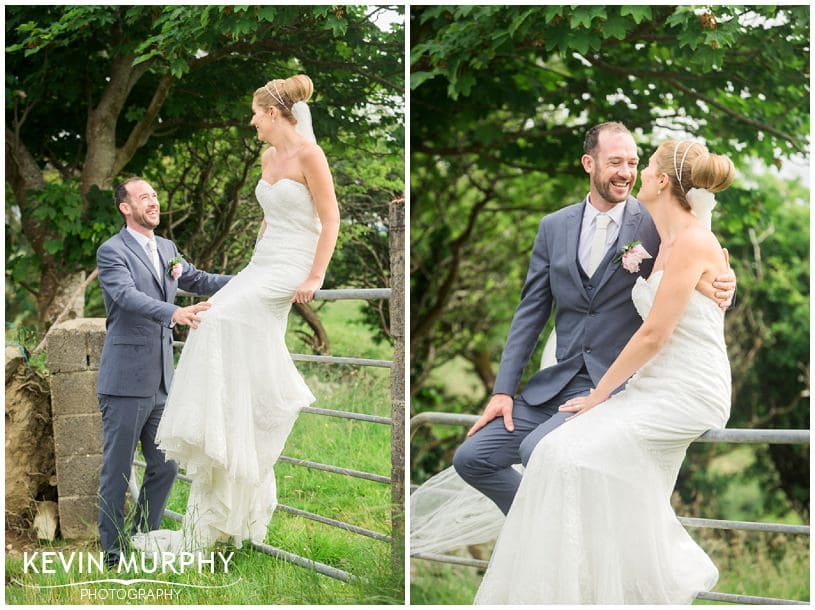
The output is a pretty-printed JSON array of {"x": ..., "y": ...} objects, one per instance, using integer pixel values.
[
  {"x": 598, "y": 246},
  {"x": 153, "y": 249}
]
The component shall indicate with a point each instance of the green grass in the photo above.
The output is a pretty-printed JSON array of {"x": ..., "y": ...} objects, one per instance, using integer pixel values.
[
  {"x": 352, "y": 444},
  {"x": 760, "y": 564},
  {"x": 434, "y": 583}
]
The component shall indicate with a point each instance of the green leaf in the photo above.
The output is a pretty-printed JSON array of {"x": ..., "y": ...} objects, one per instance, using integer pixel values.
[
  {"x": 178, "y": 67},
  {"x": 343, "y": 49},
  {"x": 584, "y": 15},
  {"x": 552, "y": 11},
  {"x": 616, "y": 27},
  {"x": 338, "y": 26},
  {"x": 582, "y": 40},
  {"x": 681, "y": 17},
  {"x": 638, "y": 12},
  {"x": 688, "y": 38},
  {"x": 518, "y": 20},
  {"x": 52, "y": 246},
  {"x": 417, "y": 78},
  {"x": 267, "y": 13}
]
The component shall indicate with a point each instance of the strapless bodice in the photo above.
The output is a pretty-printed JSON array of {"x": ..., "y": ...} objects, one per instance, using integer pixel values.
[
  {"x": 287, "y": 208},
  {"x": 694, "y": 361}
]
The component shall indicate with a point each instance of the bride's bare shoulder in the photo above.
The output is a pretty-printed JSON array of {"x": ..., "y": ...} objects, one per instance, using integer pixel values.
[{"x": 698, "y": 242}]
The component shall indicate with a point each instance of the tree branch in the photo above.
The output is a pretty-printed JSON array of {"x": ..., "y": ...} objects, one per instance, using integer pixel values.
[
  {"x": 421, "y": 327},
  {"x": 738, "y": 116},
  {"x": 144, "y": 128}
]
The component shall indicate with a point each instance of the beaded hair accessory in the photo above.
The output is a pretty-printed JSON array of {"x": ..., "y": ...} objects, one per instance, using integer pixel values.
[
  {"x": 678, "y": 170},
  {"x": 275, "y": 94}
]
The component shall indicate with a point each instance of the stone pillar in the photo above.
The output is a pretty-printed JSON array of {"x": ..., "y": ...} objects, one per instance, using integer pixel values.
[
  {"x": 396, "y": 243},
  {"x": 74, "y": 348}
]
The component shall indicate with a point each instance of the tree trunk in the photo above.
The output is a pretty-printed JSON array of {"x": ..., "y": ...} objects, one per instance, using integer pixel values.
[
  {"x": 318, "y": 340},
  {"x": 482, "y": 363},
  {"x": 103, "y": 161},
  {"x": 58, "y": 292}
]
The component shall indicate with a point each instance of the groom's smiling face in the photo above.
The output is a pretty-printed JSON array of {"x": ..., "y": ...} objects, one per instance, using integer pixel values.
[
  {"x": 613, "y": 167},
  {"x": 142, "y": 208}
]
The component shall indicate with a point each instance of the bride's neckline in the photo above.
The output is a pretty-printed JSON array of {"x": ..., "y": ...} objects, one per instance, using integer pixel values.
[
  {"x": 267, "y": 183},
  {"x": 696, "y": 290}
]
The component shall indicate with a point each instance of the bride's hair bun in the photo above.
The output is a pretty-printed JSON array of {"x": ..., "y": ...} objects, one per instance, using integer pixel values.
[
  {"x": 285, "y": 93},
  {"x": 712, "y": 172},
  {"x": 298, "y": 88},
  {"x": 689, "y": 165}
]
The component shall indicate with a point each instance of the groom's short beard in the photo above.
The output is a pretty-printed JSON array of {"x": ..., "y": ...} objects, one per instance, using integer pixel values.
[
  {"x": 605, "y": 192},
  {"x": 144, "y": 222}
]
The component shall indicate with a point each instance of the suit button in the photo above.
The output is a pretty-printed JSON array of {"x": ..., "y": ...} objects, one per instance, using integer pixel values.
[
  {"x": 587, "y": 350},
  {"x": 589, "y": 287}
]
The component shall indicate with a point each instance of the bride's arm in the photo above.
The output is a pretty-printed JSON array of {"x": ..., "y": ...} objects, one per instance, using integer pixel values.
[
  {"x": 321, "y": 185},
  {"x": 689, "y": 260},
  {"x": 265, "y": 161}
]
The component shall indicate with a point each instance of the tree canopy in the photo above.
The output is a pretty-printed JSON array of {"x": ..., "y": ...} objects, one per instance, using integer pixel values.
[{"x": 94, "y": 93}]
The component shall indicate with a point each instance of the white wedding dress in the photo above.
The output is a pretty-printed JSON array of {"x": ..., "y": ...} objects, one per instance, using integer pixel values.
[
  {"x": 236, "y": 392},
  {"x": 592, "y": 522}
]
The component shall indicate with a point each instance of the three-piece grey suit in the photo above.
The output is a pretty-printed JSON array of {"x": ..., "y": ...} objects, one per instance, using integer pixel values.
[
  {"x": 135, "y": 372},
  {"x": 594, "y": 319}
]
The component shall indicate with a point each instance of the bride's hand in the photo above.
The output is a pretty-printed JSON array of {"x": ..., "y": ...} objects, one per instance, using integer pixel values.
[
  {"x": 305, "y": 293},
  {"x": 581, "y": 404}
]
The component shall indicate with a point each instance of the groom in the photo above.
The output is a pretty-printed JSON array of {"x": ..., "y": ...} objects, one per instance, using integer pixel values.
[
  {"x": 139, "y": 274},
  {"x": 571, "y": 268}
]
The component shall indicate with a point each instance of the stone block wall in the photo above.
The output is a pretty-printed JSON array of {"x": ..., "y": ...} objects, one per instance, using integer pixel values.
[{"x": 74, "y": 349}]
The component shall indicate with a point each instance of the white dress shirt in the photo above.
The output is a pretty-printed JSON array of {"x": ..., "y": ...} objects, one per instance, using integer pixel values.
[
  {"x": 144, "y": 243},
  {"x": 615, "y": 215}
]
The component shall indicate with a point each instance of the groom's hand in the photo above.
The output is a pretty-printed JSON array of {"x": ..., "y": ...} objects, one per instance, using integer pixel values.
[
  {"x": 725, "y": 284},
  {"x": 500, "y": 405},
  {"x": 187, "y": 316}
]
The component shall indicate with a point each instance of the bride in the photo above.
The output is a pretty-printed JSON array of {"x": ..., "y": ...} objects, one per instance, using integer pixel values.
[
  {"x": 592, "y": 521},
  {"x": 236, "y": 392}
]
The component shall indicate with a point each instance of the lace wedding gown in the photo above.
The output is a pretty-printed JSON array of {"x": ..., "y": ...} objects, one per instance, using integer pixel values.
[
  {"x": 592, "y": 522},
  {"x": 236, "y": 392}
]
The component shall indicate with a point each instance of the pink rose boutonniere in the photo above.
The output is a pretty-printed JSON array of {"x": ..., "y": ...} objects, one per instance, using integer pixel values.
[
  {"x": 631, "y": 256},
  {"x": 174, "y": 268}
]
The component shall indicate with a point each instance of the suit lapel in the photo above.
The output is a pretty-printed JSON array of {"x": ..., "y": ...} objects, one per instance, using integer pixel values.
[
  {"x": 573, "y": 225},
  {"x": 631, "y": 224},
  {"x": 141, "y": 254},
  {"x": 164, "y": 255}
]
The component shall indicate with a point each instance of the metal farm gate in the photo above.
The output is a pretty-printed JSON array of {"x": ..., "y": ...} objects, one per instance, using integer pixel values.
[{"x": 396, "y": 421}]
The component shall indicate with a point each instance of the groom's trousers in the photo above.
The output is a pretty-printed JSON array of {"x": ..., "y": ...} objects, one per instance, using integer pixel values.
[
  {"x": 485, "y": 459},
  {"x": 126, "y": 420}
]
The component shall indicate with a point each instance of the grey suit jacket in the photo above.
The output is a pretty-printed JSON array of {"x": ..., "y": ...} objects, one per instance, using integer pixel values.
[
  {"x": 593, "y": 322},
  {"x": 138, "y": 352}
]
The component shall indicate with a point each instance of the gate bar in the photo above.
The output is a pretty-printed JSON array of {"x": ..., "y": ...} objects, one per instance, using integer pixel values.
[
  {"x": 723, "y": 524},
  {"x": 340, "y": 524},
  {"x": 347, "y": 415},
  {"x": 727, "y": 435},
  {"x": 341, "y": 360},
  {"x": 335, "y": 469}
]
